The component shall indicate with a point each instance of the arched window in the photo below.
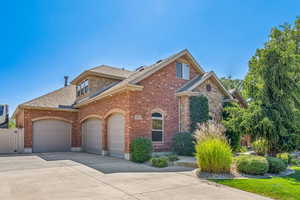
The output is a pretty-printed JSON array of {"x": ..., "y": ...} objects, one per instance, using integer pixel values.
[{"x": 157, "y": 127}]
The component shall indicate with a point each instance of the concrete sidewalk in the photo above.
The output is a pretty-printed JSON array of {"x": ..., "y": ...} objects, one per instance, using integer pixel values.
[{"x": 33, "y": 178}]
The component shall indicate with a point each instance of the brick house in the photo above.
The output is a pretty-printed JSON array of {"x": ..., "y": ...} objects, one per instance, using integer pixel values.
[{"x": 104, "y": 108}]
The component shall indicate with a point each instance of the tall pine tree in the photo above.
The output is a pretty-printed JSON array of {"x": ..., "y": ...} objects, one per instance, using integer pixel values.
[{"x": 272, "y": 85}]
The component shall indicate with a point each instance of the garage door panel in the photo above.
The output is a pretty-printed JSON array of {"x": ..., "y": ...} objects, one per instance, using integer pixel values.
[
  {"x": 92, "y": 136},
  {"x": 51, "y": 136},
  {"x": 116, "y": 135}
]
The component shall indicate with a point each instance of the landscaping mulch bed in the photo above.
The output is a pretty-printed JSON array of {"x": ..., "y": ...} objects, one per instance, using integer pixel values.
[{"x": 236, "y": 175}]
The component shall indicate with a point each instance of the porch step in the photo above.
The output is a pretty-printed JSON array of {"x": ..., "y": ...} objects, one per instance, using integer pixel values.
[{"x": 186, "y": 161}]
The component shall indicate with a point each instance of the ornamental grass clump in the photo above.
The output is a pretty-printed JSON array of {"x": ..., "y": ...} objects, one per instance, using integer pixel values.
[
  {"x": 260, "y": 147},
  {"x": 285, "y": 157},
  {"x": 213, "y": 153}
]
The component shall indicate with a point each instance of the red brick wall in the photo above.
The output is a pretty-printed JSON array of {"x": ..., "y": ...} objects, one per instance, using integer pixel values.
[
  {"x": 20, "y": 119},
  {"x": 33, "y": 114},
  {"x": 159, "y": 93}
]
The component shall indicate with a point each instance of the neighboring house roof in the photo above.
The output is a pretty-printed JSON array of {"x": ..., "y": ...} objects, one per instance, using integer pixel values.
[
  {"x": 141, "y": 74},
  {"x": 104, "y": 71},
  {"x": 239, "y": 98},
  {"x": 198, "y": 80}
]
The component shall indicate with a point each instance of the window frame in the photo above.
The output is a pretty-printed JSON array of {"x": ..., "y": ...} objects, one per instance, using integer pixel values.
[
  {"x": 82, "y": 88},
  {"x": 185, "y": 71},
  {"x": 208, "y": 87},
  {"x": 162, "y": 127},
  {"x": 182, "y": 71}
]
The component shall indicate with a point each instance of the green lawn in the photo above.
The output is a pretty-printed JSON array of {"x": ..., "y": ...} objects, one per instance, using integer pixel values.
[{"x": 285, "y": 188}]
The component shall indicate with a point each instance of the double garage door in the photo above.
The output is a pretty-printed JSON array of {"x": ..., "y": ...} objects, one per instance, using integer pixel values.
[
  {"x": 92, "y": 135},
  {"x": 55, "y": 135}
]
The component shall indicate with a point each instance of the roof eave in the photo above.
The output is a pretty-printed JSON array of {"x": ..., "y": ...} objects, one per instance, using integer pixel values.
[
  {"x": 212, "y": 74},
  {"x": 87, "y": 73},
  {"x": 17, "y": 110},
  {"x": 46, "y": 108},
  {"x": 188, "y": 93}
]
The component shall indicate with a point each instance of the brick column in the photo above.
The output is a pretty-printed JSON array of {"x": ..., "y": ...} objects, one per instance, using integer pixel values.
[{"x": 184, "y": 114}]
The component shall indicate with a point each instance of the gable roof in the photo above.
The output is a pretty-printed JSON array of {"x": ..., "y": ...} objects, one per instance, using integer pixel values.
[
  {"x": 104, "y": 71},
  {"x": 144, "y": 72},
  {"x": 149, "y": 70},
  {"x": 198, "y": 80}
]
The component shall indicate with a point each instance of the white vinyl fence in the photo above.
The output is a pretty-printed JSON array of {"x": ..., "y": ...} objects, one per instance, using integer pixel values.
[{"x": 11, "y": 141}]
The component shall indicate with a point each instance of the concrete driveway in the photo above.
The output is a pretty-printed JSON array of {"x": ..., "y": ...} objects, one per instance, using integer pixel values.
[{"x": 81, "y": 176}]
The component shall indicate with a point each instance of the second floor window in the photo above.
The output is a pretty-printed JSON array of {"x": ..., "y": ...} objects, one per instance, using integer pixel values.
[
  {"x": 82, "y": 88},
  {"x": 182, "y": 71}
]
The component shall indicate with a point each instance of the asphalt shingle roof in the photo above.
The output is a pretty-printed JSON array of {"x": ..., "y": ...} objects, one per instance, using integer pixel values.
[
  {"x": 105, "y": 69},
  {"x": 190, "y": 83},
  {"x": 62, "y": 98}
]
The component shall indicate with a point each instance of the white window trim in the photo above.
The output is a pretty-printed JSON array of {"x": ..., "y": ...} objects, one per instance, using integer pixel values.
[
  {"x": 163, "y": 127},
  {"x": 81, "y": 88},
  {"x": 185, "y": 71}
]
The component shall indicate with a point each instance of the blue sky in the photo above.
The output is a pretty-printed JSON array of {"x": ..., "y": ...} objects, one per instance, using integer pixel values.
[{"x": 43, "y": 40}]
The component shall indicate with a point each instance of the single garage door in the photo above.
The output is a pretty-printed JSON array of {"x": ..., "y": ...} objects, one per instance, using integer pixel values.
[
  {"x": 51, "y": 136},
  {"x": 116, "y": 135},
  {"x": 92, "y": 135}
]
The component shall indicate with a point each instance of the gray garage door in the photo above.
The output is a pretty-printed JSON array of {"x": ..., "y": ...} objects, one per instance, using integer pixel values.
[
  {"x": 51, "y": 136},
  {"x": 91, "y": 136},
  {"x": 116, "y": 135}
]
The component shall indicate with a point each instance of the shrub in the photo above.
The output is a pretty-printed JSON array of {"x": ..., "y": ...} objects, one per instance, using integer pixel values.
[
  {"x": 255, "y": 165},
  {"x": 233, "y": 136},
  {"x": 141, "y": 149},
  {"x": 199, "y": 111},
  {"x": 285, "y": 157},
  {"x": 159, "y": 162},
  {"x": 260, "y": 146},
  {"x": 173, "y": 157},
  {"x": 276, "y": 165},
  {"x": 234, "y": 139},
  {"x": 213, "y": 153},
  {"x": 183, "y": 144},
  {"x": 295, "y": 162},
  {"x": 242, "y": 149}
]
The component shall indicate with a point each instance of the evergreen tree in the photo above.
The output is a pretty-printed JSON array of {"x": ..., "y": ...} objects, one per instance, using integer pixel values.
[{"x": 272, "y": 85}]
